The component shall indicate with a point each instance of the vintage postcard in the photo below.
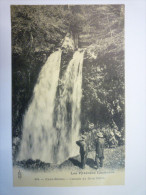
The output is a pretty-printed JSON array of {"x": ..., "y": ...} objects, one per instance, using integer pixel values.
[{"x": 68, "y": 95}]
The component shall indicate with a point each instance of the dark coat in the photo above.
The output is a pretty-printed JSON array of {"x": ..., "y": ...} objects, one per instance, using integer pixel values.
[
  {"x": 83, "y": 146},
  {"x": 100, "y": 147}
]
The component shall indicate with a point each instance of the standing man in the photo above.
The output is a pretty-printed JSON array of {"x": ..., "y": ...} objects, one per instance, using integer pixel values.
[
  {"x": 99, "y": 150},
  {"x": 83, "y": 144}
]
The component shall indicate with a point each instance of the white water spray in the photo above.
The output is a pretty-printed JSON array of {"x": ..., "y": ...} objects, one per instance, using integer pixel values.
[
  {"x": 39, "y": 136},
  {"x": 69, "y": 108},
  {"x": 43, "y": 137}
]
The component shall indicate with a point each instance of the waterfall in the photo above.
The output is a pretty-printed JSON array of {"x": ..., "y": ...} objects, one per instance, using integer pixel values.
[
  {"x": 68, "y": 109},
  {"x": 38, "y": 132},
  {"x": 52, "y": 122}
]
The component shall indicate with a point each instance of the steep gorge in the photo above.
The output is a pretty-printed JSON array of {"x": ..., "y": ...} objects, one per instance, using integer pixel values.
[{"x": 38, "y": 31}]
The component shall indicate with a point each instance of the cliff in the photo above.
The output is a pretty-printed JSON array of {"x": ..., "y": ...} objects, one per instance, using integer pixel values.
[{"x": 37, "y": 31}]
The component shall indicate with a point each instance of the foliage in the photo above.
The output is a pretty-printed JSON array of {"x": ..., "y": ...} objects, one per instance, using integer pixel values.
[
  {"x": 38, "y": 30},
  {"x": 75, "y": 19},
  {"x": 103, "y": 71}
]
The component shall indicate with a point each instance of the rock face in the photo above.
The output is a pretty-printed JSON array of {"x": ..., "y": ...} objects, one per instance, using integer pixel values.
[
  {"x": 68, "y": 43},
  {"x": 86, "y": 39},
  {"x": 68, "y": 48},
  {"x": 103, "y": 66}
]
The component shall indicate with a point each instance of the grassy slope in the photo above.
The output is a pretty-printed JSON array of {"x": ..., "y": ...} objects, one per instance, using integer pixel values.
[{"x": 114, "y": 159}]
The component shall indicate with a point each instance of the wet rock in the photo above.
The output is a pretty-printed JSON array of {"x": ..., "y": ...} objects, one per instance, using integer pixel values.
[{"x": 33, "y": 164}]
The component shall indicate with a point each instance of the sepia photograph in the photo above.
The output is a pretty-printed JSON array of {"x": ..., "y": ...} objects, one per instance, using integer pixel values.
[{"x": 68, "y": 95}]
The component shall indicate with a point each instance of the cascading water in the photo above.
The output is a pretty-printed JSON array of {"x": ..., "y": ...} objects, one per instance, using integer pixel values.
[
  {"x": 39, "y": 136},
  {"x": 44, "y": 137},
  {"x": 68, "y": 109}
]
